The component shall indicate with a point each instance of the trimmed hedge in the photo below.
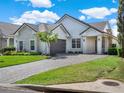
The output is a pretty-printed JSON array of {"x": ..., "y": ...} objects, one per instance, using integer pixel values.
[
  {"x": 115, "y": 51},
  {"x": 20, "y": 53},
  {"x": 112, "y": 51},
  {"x": 7, "y": 49}
]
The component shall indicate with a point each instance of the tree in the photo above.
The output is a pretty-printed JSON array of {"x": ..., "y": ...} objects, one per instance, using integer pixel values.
[
  {"x": 48, "y": 37},
  {"x": 1, "y": 36},
  {"x": 121, "y": 24}
]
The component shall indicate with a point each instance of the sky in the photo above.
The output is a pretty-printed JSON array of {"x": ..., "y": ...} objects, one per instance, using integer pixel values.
[{"x": 49, "y": 11}]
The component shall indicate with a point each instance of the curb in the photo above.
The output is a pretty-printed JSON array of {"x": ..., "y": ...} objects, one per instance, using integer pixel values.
[{"x": 46, "y": 89}]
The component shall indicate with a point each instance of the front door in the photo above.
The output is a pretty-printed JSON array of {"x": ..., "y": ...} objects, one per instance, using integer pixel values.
[
  {"x": 20, "y": 45},
  {"x": 91, "y": 45}
]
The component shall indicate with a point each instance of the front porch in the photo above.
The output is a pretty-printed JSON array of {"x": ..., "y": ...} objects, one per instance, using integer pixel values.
[{"x": 95, "y": 44}]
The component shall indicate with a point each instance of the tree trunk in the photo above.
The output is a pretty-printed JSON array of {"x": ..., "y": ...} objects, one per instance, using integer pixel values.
[
  {"x": 48, "y": 48},
  {"x": 122, "y": 38},
  {"x": 123, "y": 49}
]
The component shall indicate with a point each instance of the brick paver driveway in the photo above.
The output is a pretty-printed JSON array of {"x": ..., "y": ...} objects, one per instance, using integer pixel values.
[{"x": 14, "y": 73}]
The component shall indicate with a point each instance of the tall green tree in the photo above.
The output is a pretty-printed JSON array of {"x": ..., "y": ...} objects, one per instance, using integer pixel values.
[
  {"x": 48, "y": 37},
  {"x": 121, "y": 24},
  {"x": 1, "y": 36}
]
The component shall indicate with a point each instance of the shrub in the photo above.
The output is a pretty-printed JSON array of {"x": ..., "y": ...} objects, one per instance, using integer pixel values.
[
  {"x": 7, "y": 49},
  {"x": 112, "y": 51},
  {"x": 35, "y": 53},
  {"x": 113, "y": 45},
  {"x": 20, "y": 53},
  {"x": 7, "y": 53}
]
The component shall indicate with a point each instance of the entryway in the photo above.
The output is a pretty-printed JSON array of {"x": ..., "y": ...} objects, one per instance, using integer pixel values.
[{"x": 91, "y": 44}]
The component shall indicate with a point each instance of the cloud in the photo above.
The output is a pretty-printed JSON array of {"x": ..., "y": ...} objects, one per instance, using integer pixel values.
[
  {"x": 113, "y": 23},
  {"x": 39, "y": 3},
  {"x": 35, "y": 16},
  {"x": 82, "y": 17},
  {"x": 113, "y": 1},
  {"x": 98, "y": 12}
]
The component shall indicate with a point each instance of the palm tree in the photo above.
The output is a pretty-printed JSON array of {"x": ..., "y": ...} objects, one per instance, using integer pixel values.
[
  {"x": 48, "y": 37},
  {"x": 121, "y": 24}
]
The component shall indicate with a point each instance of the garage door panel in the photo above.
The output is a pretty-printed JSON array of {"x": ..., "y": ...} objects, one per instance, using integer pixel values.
[{"x": 58, "y": 47}]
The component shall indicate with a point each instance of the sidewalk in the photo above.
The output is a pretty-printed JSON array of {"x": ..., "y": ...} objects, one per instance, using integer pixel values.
[
  {"x": 87, "y": 87},
  {"x": 96, "y": 86}
]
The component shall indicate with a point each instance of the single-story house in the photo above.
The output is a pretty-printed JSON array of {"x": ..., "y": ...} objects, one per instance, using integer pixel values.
[
  {"x": 6, "y": 34},
  {"x": 73, "y": 36}
]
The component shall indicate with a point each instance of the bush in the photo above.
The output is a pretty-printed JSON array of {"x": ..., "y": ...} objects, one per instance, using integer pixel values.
[
  {"x": 7, "y": 53},
  {"x": 112, "y": 51},
  {"x": 20, "y": 53},
  {"x": 23, "y": 53},
  {"x": 7, "y": 49},
  {"x": 35, "y": 53},
  {"x": 113, "y": 45}
]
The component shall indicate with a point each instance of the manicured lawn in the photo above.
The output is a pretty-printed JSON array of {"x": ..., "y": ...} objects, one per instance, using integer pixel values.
[
  {"x": 101, "y": 68},
  {"x": 15, "y": 60}
]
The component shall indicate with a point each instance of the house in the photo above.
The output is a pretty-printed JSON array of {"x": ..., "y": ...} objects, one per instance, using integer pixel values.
[
  {"x": 6, "y": 34},
  {"x": 73, "y": 36}
]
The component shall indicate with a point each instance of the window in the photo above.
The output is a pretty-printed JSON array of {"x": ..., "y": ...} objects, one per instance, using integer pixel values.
[
  {"x": 20, "y": 45},
  {"x": 32, "y": 45},
  {"x": 76, "y": 43}
]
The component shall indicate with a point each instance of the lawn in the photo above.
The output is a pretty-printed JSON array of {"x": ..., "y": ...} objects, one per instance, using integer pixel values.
[
  {"x": 101, "y": 68},
  {"x": 16, "y": 60}
]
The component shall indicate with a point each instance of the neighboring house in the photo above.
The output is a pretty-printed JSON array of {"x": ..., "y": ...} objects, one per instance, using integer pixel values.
[
  {"x": 73, "y": 36},
  {"x": 6, "y": 34}
]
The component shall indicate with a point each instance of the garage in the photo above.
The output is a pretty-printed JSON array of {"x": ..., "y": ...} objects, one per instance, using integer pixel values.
[{"x": 58, "y": 47}]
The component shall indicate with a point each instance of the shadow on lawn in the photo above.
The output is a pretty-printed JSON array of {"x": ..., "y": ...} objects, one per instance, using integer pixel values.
[{"x": 1, "y": 61}]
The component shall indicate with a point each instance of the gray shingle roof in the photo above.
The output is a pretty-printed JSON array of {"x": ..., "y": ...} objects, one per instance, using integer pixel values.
[
  {"x": 7, "y": 28},
  {"x": 46, "y": 27},
  {"x": 100, "y": 25},
  {"x": 35, "y": 27}
]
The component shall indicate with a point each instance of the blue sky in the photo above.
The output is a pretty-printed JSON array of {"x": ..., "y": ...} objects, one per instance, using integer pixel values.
[{"x": 48, "y": 11}]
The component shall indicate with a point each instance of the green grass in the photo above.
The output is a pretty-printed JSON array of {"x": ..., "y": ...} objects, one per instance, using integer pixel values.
[
  {"x": 16, "y": 60},
  {"x": 90, "y": 71}
]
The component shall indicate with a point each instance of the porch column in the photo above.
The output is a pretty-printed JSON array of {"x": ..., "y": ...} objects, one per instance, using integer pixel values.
[
  {"x": 99, "y": 44},
  {"x": 84, "y": 44},
  {"x": 8, "y": 42},
  {"x": 15, "y": 43}
]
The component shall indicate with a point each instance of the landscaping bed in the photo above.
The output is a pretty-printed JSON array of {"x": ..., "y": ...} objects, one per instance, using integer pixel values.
[{"x": 101, "y": 68}]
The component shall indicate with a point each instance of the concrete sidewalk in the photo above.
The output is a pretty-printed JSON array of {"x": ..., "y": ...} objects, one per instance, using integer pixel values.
[
  {"x": 86, "y": 87},
  {"x": 96, "y": 86}
]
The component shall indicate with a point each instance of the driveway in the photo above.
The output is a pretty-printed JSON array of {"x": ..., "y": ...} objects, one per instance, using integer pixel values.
[{"x": 14, "y": 73}]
